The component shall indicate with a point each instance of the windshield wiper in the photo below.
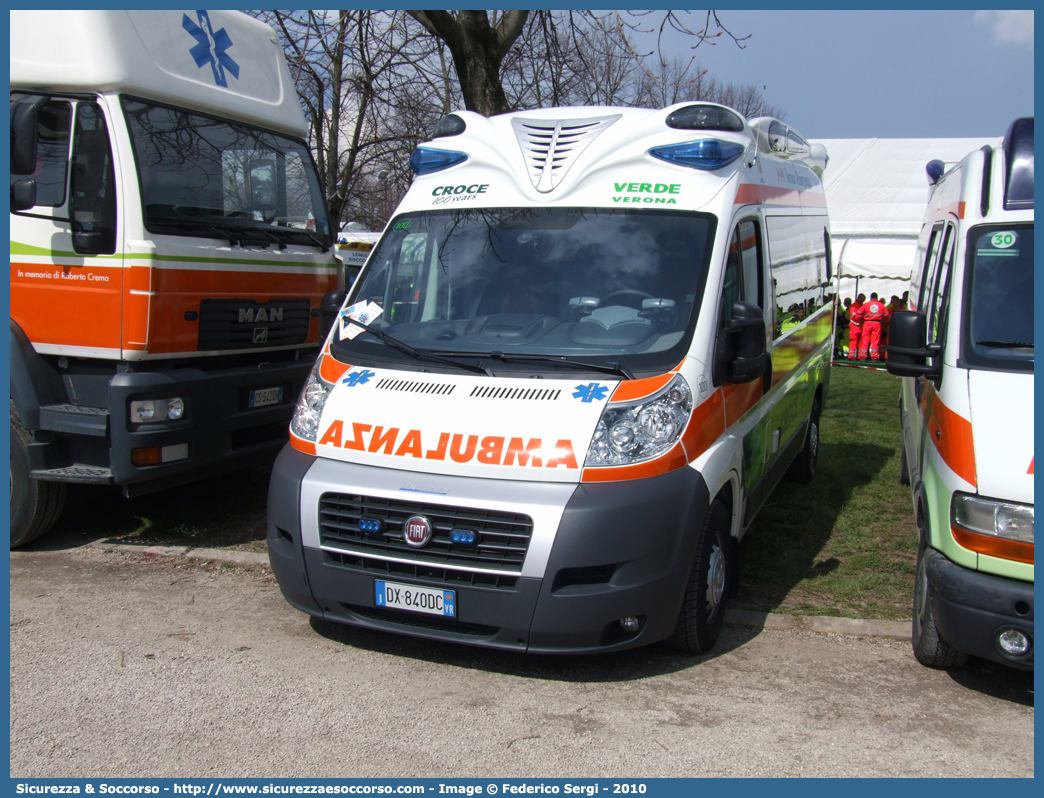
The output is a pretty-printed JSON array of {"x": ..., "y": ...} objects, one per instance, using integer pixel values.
[
  {"x": 419, "y": 354},
  {"x": 610, "y": 367},
  {"x": 1006, "y": 344}
]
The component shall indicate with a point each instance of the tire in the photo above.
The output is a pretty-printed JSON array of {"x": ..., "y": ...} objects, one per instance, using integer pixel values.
[
  {"x": 904, "y": 466},
  {"x": 702, "y": 611},
  {"x": 928, "y": 646},
  {"x": 803, "y": 469},
  {"x": 35, "y": 505}
]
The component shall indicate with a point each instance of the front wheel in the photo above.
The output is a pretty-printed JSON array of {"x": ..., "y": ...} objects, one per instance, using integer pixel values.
[
  {"x": 702, "y": 611},
  {"x": 803, "y": 469},
  {"x": 35, "y": 505},
  {"x": 928, "y": 646}
]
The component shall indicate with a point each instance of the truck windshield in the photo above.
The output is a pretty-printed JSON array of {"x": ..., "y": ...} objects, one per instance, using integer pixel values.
[
  {"x": 519, "y": 287},
  {"x": 208, "y": 177},
  {"x": 998, "y": 298}
]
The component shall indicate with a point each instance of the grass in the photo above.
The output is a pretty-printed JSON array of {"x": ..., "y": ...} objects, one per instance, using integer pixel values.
[{"x": 844, "y": 545}]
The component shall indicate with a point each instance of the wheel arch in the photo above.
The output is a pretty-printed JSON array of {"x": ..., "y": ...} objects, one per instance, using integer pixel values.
[{"x": 33, "y": 381}]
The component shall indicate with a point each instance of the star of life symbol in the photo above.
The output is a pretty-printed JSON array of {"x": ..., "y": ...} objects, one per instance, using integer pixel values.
[
  {"x": 590, "y": 393},
  {"x": 358, "y": 378},
  {"x": 210, "y": 48}
]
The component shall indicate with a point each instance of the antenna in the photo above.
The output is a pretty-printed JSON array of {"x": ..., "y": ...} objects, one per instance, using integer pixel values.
[
  {"x": 757, "y": 134},
  {"x": 761, "y": 112}
]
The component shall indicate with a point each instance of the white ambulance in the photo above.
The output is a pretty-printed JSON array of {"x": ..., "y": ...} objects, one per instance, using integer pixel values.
[
  {"x": 588, "y": 345},
  {"x": 966, "y": 347}
]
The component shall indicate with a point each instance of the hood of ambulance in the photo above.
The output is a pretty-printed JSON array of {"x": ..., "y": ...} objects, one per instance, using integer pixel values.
[
  {"x": 464, "y": 425},
  {"x": 1002, "y": 432}
]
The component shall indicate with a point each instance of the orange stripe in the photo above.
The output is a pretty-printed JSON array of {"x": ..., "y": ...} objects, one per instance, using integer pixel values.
[
  {"x": 630, "y": 390},
  {"x": 950, "y": 433},
  {"x": 302, "y": 445},
  {"x": 993, "y": 546},
  {"x": 332, "y": 370},
  {"x": 673, "y": 460},
  {"x": 739, "y": 398},
  {"x": 750, "y": 194},
  {"x": 706, "y": 425},
  {"x": 63, "y": 310}
]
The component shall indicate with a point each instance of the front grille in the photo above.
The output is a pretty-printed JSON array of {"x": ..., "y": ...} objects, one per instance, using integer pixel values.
[
  {"x": 385, "y": 569},
  {"x": 503, "y": 538},
  {"x": 433, "y": 622},
  {"x": 247, "y": 324}
]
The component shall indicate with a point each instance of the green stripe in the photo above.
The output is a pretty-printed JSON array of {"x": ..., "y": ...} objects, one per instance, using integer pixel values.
[{"x": 18, "y": 248}]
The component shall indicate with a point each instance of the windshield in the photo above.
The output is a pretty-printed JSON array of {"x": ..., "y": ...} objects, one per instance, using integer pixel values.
[
  {"x": 599, "y": 286},
  {"x": 207, "y": 177},
  {"x": 998, "y": 298}
]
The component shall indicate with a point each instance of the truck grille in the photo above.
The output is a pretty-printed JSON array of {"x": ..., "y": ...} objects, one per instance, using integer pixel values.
[
  {"x": 503, "y": 538},
  {"x": 246, "y": 324}
]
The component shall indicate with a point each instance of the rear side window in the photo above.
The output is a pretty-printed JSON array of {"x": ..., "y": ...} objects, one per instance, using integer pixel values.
[{"x": 52, "y": 152}]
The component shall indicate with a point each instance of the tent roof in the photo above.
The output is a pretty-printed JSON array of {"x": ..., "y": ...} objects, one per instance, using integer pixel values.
[{"x": 878, "y": 187}]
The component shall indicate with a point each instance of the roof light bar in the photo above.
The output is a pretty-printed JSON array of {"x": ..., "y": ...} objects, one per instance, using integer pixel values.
[
  {"x": 449, "y": 125},
  {"x": 707, "y": 154},
  {"x": 425, "y": 160}
]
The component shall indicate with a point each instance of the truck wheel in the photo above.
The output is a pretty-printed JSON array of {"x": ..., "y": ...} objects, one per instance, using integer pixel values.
[
  {"x": 703, "y": 606},
  {"x": 904, "y": 466},
  {"x": 35, "y": 505},
  {"x": 928, "y": 646},
  {"x": 803, "y": 469}
]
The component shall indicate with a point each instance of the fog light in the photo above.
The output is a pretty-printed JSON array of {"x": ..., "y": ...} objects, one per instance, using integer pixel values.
[
  {"x": 1013, "y": 642},
  {"x": 149, "y": 410},
  {"x": 175, "y": 409},
  {"x": 630, "y": 624}
]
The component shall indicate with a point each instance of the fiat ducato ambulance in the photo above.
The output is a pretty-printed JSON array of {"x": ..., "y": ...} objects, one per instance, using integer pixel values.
[
  {"x": 965, "y": 349},
  {"x": 587, "y": 346},
  {"x": 165, "y": 282}
]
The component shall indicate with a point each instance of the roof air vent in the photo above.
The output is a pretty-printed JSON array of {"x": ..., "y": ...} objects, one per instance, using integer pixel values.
[
  {"x": 551, "y": 146},
  {"x": 1018, "y": 154}
]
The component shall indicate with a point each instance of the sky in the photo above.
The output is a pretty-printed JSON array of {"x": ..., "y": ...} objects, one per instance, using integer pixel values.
[{"x": 884, "y": 74}]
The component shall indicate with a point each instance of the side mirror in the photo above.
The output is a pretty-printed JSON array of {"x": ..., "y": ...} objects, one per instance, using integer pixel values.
[
  {"x": 329, "y": 307},
  {"x": 746, "y": 328},
  {"x": 23, "y": 137},
  {"x": 88, "y": 242},
  {"x": 23, "y": 195},
  {"x": 907, "y": 351}
]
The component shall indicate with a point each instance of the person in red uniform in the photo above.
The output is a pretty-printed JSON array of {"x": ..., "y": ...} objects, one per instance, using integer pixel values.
[
  {"x": 875, "y": 313},
  {"x": 855, "y": 327}
]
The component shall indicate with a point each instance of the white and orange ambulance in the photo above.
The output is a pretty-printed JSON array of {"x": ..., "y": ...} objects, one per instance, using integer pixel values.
[
  {"x": 966, "y": 349},
  {"x": 165, "y": 282},
  {"x": 588, "y": 345}
]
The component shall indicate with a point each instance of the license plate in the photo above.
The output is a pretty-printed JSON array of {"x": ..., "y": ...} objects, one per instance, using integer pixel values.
[
  {"x": 415, "y": 599},
  {"x": 266, "y": 396}
]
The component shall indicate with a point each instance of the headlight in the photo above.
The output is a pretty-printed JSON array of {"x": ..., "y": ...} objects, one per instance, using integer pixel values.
[
  {"x": 150, "y": 410},
  {"x": 990, "y": 517},
  {"x": 309, "y": 410},
  {"x": 631, "y": 432}
]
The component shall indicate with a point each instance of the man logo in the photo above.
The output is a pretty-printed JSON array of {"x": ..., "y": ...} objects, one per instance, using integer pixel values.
[
  {"x": 417, "y": 531},
  {"x": 260, "y": 335},
  {"x": 251, "y": 315}
]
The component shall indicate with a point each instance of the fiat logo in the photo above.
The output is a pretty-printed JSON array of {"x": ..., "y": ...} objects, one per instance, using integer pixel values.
[{"x": 417, "y": 531}]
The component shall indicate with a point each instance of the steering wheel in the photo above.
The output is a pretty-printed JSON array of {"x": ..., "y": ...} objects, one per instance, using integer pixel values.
[
  {"x": 268, "y": 211},
  {"x": 633, "y": 293}
]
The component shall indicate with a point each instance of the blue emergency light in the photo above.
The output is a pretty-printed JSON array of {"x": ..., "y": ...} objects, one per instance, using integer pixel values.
[
  {"x": 372, "y": 526},
  {"x": 706, "y": 154},
  {"x": 464, "y": 537},
  {"x": 425, "y": 160}
]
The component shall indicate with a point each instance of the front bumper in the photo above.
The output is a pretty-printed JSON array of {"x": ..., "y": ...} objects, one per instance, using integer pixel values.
[
  {"x": 972, "y": 608},
  {"x": 615, "y": 550}
]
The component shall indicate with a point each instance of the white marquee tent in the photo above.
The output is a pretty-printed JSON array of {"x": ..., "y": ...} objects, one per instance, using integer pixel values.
[{"x": 877, "y": 191}]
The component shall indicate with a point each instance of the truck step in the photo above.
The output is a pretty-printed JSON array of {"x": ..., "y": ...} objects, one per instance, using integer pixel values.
[
  {"x": 75, "y": 419},
  {"x": 94, "y": 475}
]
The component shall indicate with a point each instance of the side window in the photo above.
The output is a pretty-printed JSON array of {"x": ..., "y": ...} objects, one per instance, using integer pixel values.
[
  {"x": 750, "y": 256},
  {"x": 928, "y": 272},
  {"x": 733, "y": 290},
  {"x": 54, "y": 121},
  {"x": 93, "y": 187},
  {"x": 941, "y": 292}
]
